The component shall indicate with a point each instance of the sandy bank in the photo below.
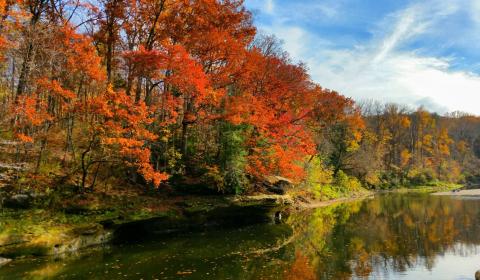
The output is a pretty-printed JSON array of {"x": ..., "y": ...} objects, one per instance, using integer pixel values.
[{"x": 473, "y": 192}]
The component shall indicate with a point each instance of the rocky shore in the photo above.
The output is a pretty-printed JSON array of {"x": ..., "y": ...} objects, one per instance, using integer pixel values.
[{"x": 37, "y": 232}]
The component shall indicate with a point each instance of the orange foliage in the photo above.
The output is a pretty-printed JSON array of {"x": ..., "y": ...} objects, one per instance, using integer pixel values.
[
  {"x": 80, "y": 55},
  {"x": 276, "y": 98},
  {"x": 124, "y": 129},
  {"x": 193, "y": 67},
  {"x": 301, "y": 268}
]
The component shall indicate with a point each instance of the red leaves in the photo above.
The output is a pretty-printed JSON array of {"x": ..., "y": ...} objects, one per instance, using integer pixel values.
[
  {"x": 191, "y": 68},
  {"x": 29, "y": 114},
  {"x": 24, "y": 138},
  {"x": 173, "y": 64},
  {"x": 3, "y": 46},
  {"x": 124, "y": 130},
  {"x": 79, "y": 52},
  {"x": 276, "y": 98},
  {"x": 186, "y": 74},
  {"x": 54, "y": 88},
  {"x": 331, "y": 108},
  {"x": 146, "y": 62}
]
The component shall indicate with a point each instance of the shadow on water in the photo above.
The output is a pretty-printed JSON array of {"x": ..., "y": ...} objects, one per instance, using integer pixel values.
[{"x": 394, "y": 236}]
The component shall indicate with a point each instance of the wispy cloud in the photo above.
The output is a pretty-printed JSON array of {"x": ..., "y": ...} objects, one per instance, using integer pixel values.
[
  {"x": 265, "y": 6},
  {"x": 405, "y": 27},
  {"x": 391, "y": 66},
  {"x": 269, "y": 6}
]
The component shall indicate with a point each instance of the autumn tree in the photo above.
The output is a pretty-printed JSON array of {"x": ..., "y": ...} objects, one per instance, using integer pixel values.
[
  {"x": 339, "y": 127},
  {"x": 169, "y": 90}
]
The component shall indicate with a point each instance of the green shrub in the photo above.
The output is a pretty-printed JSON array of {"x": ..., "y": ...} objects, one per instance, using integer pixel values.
[
  {"x": 233, "y": 158},
  {"x": 323, "y": 183},
  {"x": 346, "y": 184},
  {"x": 325, "y": 192},
  {"x": 420, "y": 177}
]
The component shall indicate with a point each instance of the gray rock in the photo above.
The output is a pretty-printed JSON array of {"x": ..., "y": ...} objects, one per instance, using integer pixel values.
[
  {"x": 18, "y": 201},
  {"x": 277, "y": 184}
]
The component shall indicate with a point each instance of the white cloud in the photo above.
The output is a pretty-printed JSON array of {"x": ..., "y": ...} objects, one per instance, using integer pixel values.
[
  {"x": 327, "y": 9},
  {"x": 403, "y": 78},
  {"x": 381, "y": 69},
  {"x": 266, "y": 6},
  {"x": 475, "y": 10},
  {"x": 269, "y": 6},
  {"x": 402, "y": 31}
]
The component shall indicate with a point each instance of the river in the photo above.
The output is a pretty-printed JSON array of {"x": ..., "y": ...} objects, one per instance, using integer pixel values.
[{"x": 392, "y": 236}]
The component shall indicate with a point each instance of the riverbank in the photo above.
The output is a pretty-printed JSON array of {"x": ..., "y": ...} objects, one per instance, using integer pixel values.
[
  {"x": 472, "y": 192},
  {"x": 329, "y": 241},
  {"x": 443, "y": 187},
  {"x": 302, "y": 204},
  {"x": 94, "y": 219}
]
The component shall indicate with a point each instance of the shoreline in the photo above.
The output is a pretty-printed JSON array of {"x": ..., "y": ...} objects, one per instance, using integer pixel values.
[
  {"x": 189, "y": 214},
  {"x": 312, "y": 204},
  {"x": 467, "y": 193}
]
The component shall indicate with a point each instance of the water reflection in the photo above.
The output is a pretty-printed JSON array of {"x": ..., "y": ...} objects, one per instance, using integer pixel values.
[{"x": 387, "y": 237}]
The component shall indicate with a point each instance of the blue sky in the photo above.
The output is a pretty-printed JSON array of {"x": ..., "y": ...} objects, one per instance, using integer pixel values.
[{"x": 417, "y": 53}]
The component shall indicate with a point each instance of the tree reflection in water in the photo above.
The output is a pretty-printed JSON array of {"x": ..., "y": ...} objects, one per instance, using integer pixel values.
[
  {"x": 387, "y": 237},
  {"x": 391, "y": 233}
]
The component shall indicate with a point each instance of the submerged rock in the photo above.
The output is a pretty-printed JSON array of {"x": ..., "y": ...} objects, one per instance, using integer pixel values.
[{"x": 82, "y": 238}]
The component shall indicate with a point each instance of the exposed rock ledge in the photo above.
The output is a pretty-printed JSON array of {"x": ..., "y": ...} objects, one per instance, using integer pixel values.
[
  {"x": 56, "y": 239},
  {"x": 227, "y": 212},
  {"x": 53, "y": 243}
]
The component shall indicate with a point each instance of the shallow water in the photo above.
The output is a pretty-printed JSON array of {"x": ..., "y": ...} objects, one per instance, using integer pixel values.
[{"x": 395, "y": 236}]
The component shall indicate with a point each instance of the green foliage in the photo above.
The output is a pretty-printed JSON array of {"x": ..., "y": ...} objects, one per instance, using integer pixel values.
[
  {"x": 420, "y": 176},
  {"x": 320, "y": 178},
  {"x": 318, "y": 172},
  {"x": 174, "y": 162},
  {"x": 347, "y": 184},
  {"x": 49, "y": 168},
  {"x": 325, "y": 185},
  {"x": 234, "y": 158},
  {"x": 325, "y": 192}
]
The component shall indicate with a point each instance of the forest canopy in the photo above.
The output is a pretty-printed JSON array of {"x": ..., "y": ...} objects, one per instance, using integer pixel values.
[{"x": 162, "y": 93}]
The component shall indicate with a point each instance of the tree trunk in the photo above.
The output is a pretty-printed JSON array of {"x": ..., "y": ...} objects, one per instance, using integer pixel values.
[
  {"x": 148, "y": 92},
  {"x": 184, "y": 139},
  {"x": 138, "y": 90},
  {"x": 40, "y": 155},
  {"x": 25, "y": 71}
]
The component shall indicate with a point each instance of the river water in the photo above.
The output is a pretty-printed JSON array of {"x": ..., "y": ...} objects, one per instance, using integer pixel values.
[{"x": 393, "y": 236}]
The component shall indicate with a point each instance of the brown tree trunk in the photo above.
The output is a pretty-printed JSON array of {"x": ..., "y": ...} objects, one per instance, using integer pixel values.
[
  {"x": 138, "y": 90},
  {"x": 25, "y": 71}
]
